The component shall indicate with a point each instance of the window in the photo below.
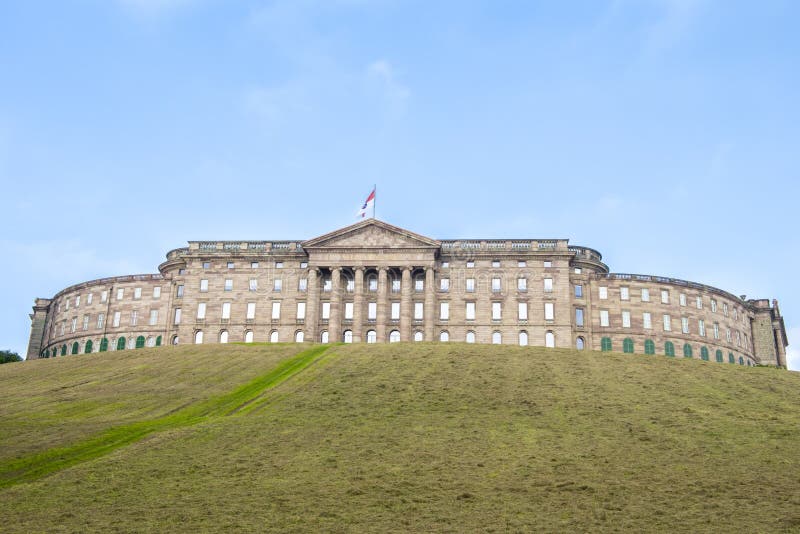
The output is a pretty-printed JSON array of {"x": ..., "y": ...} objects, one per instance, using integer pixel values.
[
  {"x": 103, "y": 296},
  {"x": 273, "y": 336},
  {"x": 114, "y": 323},
  {"x": 444, "y": 311},
  {"x": 248, "y": 336},
  {"x": 394, "y": 336},
  {"x": 201, "y": 310},
  {"x": 645, "y": 295},
  {"x": 667, "y": 323},
  {"x": 254, "y": 265},
  {"x": 649, "y": 346},
  {"x": 445, "y": 265},
  {"x": 86, "y": 322},
  {"x": 372, "y": 336},
  {"x": 522, "y": 284},
  {"x": 713, "y": 305},
  {"x": 603, "y": 317},
  {"x": 470, "y": 285},
  {"x": 203, "y": 286},
  {"x": 497, "y": 311},
  {"x": 731, "y": 358},
  {"x": 664, "y": 296},
  {"x": 120, "y": 295},
  {"x": 277, "y": 285},
  {"x": 547, "y": 264},
  {"x": 396, "y": 285},
  {"x": 299, "y": 336},
  {"x": 302, "y": 285},
  {"x": 181, "y": 272},
  {"x": 523, "y": 339},
  {"x": 549, "y": 313},
  {"x": 578, "y": 270},
  {"x": 497, "y": 338},
  {"x": 419, "y": 285},
  {"x": 626, "y": 319},
  {"x": 324, "y": 337},
  {"x": 549, "y": 339},
  {"x": 727, "y": 334},
  {"x": 153, "y": 317},
  {"x": 372, "y": 311},
  {"x": 470, "y": 264},
  {"x": 444, "y": 284},
  {"x": 444, "y": 336},
  {"x": 716, "y": 330},
  {"x": 206, "y": 265},
  {"x": 326, "y": 311},
  {"x": 251, "y": 310},
  {"x": 228, "y": 284},
  {"x": 327, "y": 285},
  {"x": 578, "y": 291},
  {"x": 372, "y": 284},
  {"x": 718, "y": 356},
  {"x": 738, "y": 338},
  {"x": 580, "y": 343},
  {"x": 226, "y": 310},
  {"x": 348, "y": 311},
  {"x": 223, "y": 336},
  {"x": 395, "y": 311},
  {"x": 470, "y": 311},
  {"x": 687, "y": 350},
  {"x": 495, "y": 263},
  {"x": 623, "y": 293},
  {"x": 177, "y": 318},
  {"x": 179, "y": 291},
  {"x": 701, "y": 327},
  {"x": 669, "y": 348},
  {"x": 647, "y": 321},
  {"x": 134, "y": 317},
  {"x": 304, "y": 265},
  {"x": 704, "y": 353},
  {"x": 470, "y": 337},
  {"x": 350, "y": 285},
  {"x": 725, "y": 309},
  {"x": 735, "y": 311},
  {"x": 522, "y": 311},
  {"x": 627, "y": 345},
  {"x": 685, "y": 325},
  {"x": 578, "y": 316},
  {"x": 252, "y": 285},
  {"x": 495, "y": 285},
  {"x": 418, "y": 310},
  {"x": 137, "y": 293},
  {"x": 78, "y": 301},
  {"x": 279, "y": 265},
  {"x": 548, "y": 285},
  {"x": 156, "y": 292},
  {"x": 347, "y": 336},
  {"x": 602, "y": 292},
  {"x": 230, "y": 265},
  {"x": 522, "y": 263},
  {"x": 699, "y": 302},
  {"x": 101, "y": 317},
  {"x": 682, "y": 299},
  {"x": 276, "y": 310}
]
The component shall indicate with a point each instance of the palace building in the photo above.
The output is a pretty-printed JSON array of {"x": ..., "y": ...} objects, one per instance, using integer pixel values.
[{"x": 375, "y": 283}]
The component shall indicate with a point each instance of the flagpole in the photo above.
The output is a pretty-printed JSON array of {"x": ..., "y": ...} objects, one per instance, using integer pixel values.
[{"x": 374, "y": 200}]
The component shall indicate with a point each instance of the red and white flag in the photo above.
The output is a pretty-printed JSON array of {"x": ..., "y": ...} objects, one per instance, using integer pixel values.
[{"x": 368, "y": 204}]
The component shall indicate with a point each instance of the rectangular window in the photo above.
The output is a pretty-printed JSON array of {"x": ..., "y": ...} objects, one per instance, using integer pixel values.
[
  {"x": 647, "y": 321},
  {"x": 603, "y": 317},
  {"x": 685, "y": 325},
  {"x": 602, "y": 292},
  {"x": 738, "y": 338},
  {"x": 578, "y": 316},
  {"x": 277, "y": 285},
  {"x": 495, "y": 285},
  {"x": 181, "y": 272},
  {"x": 203, "y": 286},
  {"x": 120, "y": 293},
  {"x": 470, "y": 311},
  {"x": 701, "y": 327},
  {"x": 372, "y": 311},
  {"x": 177, "y": 319},
  {"x": 254, "y": 265},
  {"x": 304, "y": 265},
  {"x": 201, "y": 310},
  {"x": 302, "y": 285},
  {"x": 470, "y": 287},
  {"x": 103, "y": 296},
  {"x": 251, "y": 310},
  {"x": 179, "y": 291},
  {"x": 395, "y": 311},
  {"x": 522, "y": 311},
  {"x": 578, "y": 291},
  {"x": 549, "y": 312},
  {"x": 66, "y": 307},
  {"x": 253, "y": 284},
  {"x": 445, "y": 265},
  {"x": 157, "y": 292},
  {"x": 86, "y": 324},
  {"x": 89, "y": 301},
  {"x": 226, "y": 310},
  {"x": 713, "y": 305},
  {"x": 725, "y": 309},
  {"x": 495, "y": 263},
  {"x": 230, "y": 265},
  {"x": 623, "y": 293},
  {"x": 301, "y": 310},
  {"x": 418, "y": 311},
  {"x": 699, "y": 302},
  {"x": 276, "y": 310},
  {"x": 326, "y": 310},
  {"x": 153, "y": 317},
  {"x": 664, "y": 296},
  {"x": 667, "y": 323},
  {"x": 645, "y": 295},
  {"x": 716, "y": 330},
  {"x": 470, "y": 265},
  {"x": 626, "y": 319},
  {"x": 395, "y": 286},
  {"x": 419, "y": 285},
  {"x": 74, "y": 324},
  {"x": 444, "y": 311},
  {"x": 497, "y": 311},
  {"x": 372, "y": 284},
  {"x": 682, "y": 299},
  {"x": 444, "y": 284},
  {"x": 727, "y": 335},
  {"x": 78, "y": 301},
  {"x": 101, "y": 317},
  {"x": 228, "y": 284},
  {"x": 350, "y": 286},
  {"x": 279, "y": 265},
  {"x": 522, "y": 263},
  {"x": 206, "y": 265},
  {"x": 134, "y": 317},
  {"x": 348, "y": 310},
  {"x": 63, "y": 325},
  {"x": 115, "y": 323},
  {"x": 522, "y": 284},
  {"x": 137, "y": 293},
  {"x": 548, "y": 285},
  {"x": 547, "y": 264}
]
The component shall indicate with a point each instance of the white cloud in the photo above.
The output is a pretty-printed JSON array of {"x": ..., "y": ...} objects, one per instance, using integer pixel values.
[
  {"x": 277, "y": 103},
  {"x": 793, "y": 351},
  {"x": 381, "y": 73}
]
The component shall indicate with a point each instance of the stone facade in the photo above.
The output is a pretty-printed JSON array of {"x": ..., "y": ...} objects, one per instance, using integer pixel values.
[{"x": 373, "y": 282}]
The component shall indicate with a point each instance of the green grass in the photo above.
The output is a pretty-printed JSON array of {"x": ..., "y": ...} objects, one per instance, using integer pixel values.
[{"x": 423, "y": 437}]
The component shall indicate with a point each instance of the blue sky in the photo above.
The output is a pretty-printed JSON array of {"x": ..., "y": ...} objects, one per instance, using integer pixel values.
[{"x": 664, "y": 133}]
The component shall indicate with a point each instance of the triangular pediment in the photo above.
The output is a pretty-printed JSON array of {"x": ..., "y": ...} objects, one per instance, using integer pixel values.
[{"x": 371, "y": 233}]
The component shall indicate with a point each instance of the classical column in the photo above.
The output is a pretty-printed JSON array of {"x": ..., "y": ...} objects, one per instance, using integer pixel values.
[
  {"x": 335, "y": 322},
  {"x": 430, "y": 304},
  {"x": 358, "y": 305},
  {"x": 312, "y": 305},
  {"x": 380, "y": 323},
  {"x": 406, "y": 306}
]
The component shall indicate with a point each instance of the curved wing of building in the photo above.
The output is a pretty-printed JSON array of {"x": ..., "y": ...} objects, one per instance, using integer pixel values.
[{"x": 373, "y": 282}]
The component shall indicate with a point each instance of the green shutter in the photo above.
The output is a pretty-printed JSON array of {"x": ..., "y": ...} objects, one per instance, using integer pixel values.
[
  {"x": 64, "y": 349},
  {"x": 669, "y": 348},
  {"x": 75, "y": 348},
  {"x": 741, "y": 360},
  {"x": 687, "y": 350},
  {"x": 104, "y": 344},
  {"x": 158, "y": 341},
  {"x": 627, "y": 345},
  {"x": 719, "y": 356},
  {"x": 704, "y": 353},
  {"x": 605, "y": 344},
  {"x": 649, "y": 346},
  {"x": 140, "y": 342},
  {"x": 731, "y": 358},
  {"x": 88, "y": 348},
  {"x": 121, "y": 343}
]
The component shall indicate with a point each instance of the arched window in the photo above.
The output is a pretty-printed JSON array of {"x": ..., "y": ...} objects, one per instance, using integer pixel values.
[
  {"x": 64, "y": 349},
  {"x": 299, "y": 336},
  {"x": 669, "y": 348},
  {"x": 687, "y": 350},
  {"x": 47, "y": 353},
  {"x": 418, "y": 336},
  {"x": 198, "y": 337},
  {"x": 719, "y": 357},
  {"x": 470, "y": 337},
  {"x": 131, "y": 342},
  {"x": 580, "y": 343},
  {"x": 104, "y": 344},
  {"x": 549, "y": 339},
  {"x": 347, "y": 336},
  {"x": 140, "y": 342},
  {"x": 444, "y": 335},
  {"x": 627, "y": 345},
  {"x": 649, "y": 346},
  {"x": 523, "y": 339},
  {"x": 704, "y": 353},
  {"x": 497, "y": 338},
  {"x": 741, "y": 360},
  {"x": 605, "y": 344},
  {"x": 151, "y": 341},
  {"x": 175, "y": 340},
  {"x": 273, "y": 336},
  {"x": 394, "y": 336},
  {"x": 731, "y": 358},
  {"x": 248, "y": 336},
  {"x": 158, "y": 341},
  {"x": 88, "y": 348},
  {"x": 223, "y": 336},
  {"x": 372, "y": 336},
  {"x": 75, "y": 348},
  {"x": 324, "y": 337}
]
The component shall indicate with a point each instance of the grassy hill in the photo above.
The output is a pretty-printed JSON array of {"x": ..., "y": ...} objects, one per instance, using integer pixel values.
[{"x": 422, "y": 437}]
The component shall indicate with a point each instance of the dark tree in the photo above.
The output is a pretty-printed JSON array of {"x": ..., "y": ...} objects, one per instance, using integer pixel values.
[{"x": 7, "y": 356}]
